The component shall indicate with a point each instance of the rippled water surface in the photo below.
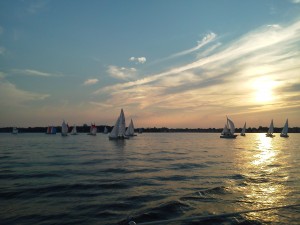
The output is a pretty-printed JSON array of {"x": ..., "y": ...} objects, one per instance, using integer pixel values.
[{"x": 83, "y": 179}]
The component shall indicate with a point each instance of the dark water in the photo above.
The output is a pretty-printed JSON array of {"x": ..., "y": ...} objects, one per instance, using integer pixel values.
[{"x": 83, "y": 179}]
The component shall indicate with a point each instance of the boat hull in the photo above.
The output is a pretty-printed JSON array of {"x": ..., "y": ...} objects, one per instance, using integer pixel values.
[
  {"x": 118, "y": 138},
  {"x": 284, "y": 135},
  {"x": 270, "y": 135},
  {"x": 243, "y": 134},
  {"x": 228, "y": 136}
]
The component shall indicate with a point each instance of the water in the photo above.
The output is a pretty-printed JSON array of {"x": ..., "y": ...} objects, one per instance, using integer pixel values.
[{"x": 83, "y": 179}]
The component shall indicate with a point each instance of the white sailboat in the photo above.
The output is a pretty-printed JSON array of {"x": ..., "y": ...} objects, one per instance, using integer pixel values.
[
  {"x": 271, "y": 130},
  {"x": 284, "y": 132},
  {"x": 244, "y": 130},
  {"x": 130, "y": 130},
  {"x": 229, "y": 129},
  {"x": 74, "y": 130},
  {"x": 15, "y": 130},
  {"x": 105, "y": 130},
  {"x": 93, "y": 130},
  {"x": 118, "y": 132},
  {"x": 64, "y": 129}
]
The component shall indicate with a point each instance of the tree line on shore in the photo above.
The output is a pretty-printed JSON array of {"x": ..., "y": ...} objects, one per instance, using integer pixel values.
[{"x": 100, "y": 129}]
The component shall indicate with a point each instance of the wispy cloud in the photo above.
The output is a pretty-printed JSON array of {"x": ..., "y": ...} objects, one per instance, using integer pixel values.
[
  {"x": 91, "y": 81},
  {"x": 30, "y": 72},
  {"x": 223, "y": 78},
  {"x": 122, "y": 73},
  {"x": 138, "y": 60},
  {"x": 11, "y": 95},
  {"x": 295, "y": 1}
]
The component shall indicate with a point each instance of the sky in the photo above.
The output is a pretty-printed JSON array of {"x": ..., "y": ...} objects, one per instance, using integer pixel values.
[{"x": 171, "y": 63}]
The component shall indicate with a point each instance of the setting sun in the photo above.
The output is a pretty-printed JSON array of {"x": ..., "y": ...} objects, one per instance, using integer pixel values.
[{"x": 264, "y": 90}]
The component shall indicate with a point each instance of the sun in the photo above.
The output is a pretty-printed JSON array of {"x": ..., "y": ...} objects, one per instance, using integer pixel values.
[{"x": 263, "y": 90}]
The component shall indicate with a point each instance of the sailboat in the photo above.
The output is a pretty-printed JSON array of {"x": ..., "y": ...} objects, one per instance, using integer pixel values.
[
  {"x": 284, "y": 132},
  {"x": 51, "y": 130},
  {"x": 105, "y": 130},
  {"x": 130, "y": 130},
  {"x": 64, "y": 129},
  {"x": 244, "y": 130},
  {"x": 118, "y": 132},
  {"x": 228, "y": 130},
  {"x": 15, "y": 130},
  {"x": 74, "y": 130},
  {"x": 93, "y": 130},
  {"x": 271, "y": 130}
]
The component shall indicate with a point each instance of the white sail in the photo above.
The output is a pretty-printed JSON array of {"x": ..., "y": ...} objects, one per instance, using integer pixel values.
[
  {"x": 14, "y": 130},
  {"x": 271, "y": 128},
  {"x": 228, "y": 130},
  {"x": 225, "y": 130},
  {"x": 285, "y": 128},
  {"x": 74, "y": 130},
  {"x": 122, "y": 125},
  {"x": 119, "y": 129},
  {"x": 130, "y": 129},
  {"x": 243, "y": 130},
  {"x": 105, "y": 130},
  {"x": 64, "y": 129},
  {"x": 94, "y": 130},
  {"x": 115, "y": 130},
  {"x": 231, "y": 126}
]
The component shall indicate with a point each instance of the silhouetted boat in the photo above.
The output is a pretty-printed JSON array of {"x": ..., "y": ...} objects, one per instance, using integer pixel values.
[
  {"x": 229, "y": 129},
  {"x": 244, "y": 130},
  {"x": 15, "y": 130},
  {"x": 271, "y": 130},
  {"x": 284, "y": 132}
]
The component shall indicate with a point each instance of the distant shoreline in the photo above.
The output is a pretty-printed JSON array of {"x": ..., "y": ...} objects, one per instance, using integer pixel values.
[{"x": 100, "y": 128}]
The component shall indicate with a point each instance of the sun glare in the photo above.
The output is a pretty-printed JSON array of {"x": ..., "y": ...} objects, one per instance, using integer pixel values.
[{"x": 264, "y": 90}]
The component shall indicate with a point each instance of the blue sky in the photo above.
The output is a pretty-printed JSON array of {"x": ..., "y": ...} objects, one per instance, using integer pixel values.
[{"x": 166, "y": 63}]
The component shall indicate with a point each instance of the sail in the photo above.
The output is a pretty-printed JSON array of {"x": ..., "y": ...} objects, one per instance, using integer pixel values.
[
  {"x": 231, "y": 126},
  {"x": 285, "y": 128},
  {"x": 271, "y": 128},
  {"x": 130, "y": 129},
  {"x": 115, "y": 130},
  {"x": 48, "y": 130},
  {"x": 53, "y": 130},
  {"x": 122, "y": 124},
  {"x": 94, "y": 129},
  {"x": 225, "y": 130},
  {"x": 64, "y": 129},
  {"x": 74, "y": 130},
  {"x": 244, "y": 129},
  {"x": 105, "y": 130}
]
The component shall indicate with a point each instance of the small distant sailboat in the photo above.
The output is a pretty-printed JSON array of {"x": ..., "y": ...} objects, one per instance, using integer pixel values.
[
  {"x": 93, "y": 130},
  {"x": 284, "y": 132},
  {"x": 271, "y": 130},
  {"x": 51, "y": 130},
  {"x": 228, "y": 130},
  {"x": 74, "y": 130},
  {"x": 244, "y": 130},
  {"x": 105, "y": 130},
  {"x": 15, "y": 130},
  {"x": 130, "y": 130},
  {"x": 118, "y": 132},
  {"x": 64, "y": 129}
]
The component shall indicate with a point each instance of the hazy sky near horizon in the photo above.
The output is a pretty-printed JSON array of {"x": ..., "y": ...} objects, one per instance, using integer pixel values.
[{"x": 173, "y": 63}]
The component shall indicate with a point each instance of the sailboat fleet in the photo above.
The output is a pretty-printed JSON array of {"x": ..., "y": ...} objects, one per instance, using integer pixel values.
[{"x": 119, "y": 131}]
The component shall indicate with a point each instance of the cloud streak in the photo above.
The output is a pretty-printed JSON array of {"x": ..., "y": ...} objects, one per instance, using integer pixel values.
[
  {"x": 138, "y": 60},
  {"x": 31, "y": 72},
  {"x": 91, "y": 81},
  {"x": 122, "y": 73}
]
